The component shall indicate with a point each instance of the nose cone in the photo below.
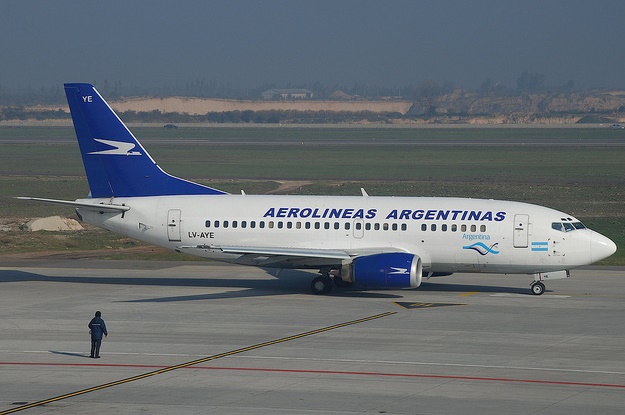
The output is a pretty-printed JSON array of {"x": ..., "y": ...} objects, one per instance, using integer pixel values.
[{"x": 601, "y": 247}]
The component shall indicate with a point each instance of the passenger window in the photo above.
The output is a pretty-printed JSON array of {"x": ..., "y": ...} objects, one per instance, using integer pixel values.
[
  {"x": 367, "y": 226},
  {"x": 216, "y": 224},
  {"x": 280, "y": 224},
  {"x": 424, "y": 227},
  {"x": 454, "y": 228},
  {"x": 289, "y": 225},
  {"x": 473, "y": 228},
  {"x": 358, "y": 226},
  {"x": 244, "y": 224},
  {"x": 298, "y": 225},
  {"x": 385, "y": 226},
  {"x": 261, "y": 224},
  {"x": 234, "y": 224},
  {"x": 482, "y": 228},
  {"x": 463, "y": 228},
  {"x": 253, "y": 224},
  {"x": 307, "y": 225},
  {"x": 326, "y": 225},
  {"x": 433, "y": 227},
  {"x": 404, "y": 226},
  {"x": 337, "y": 225},
  {"x": 376, "y": 227},
  {"x": 444, "y": 228},
  {"x": 270, "y": 224},
  {"x": 317, "y": 225},
  {"x": 207, "y": 224},
  {"x": 394, "y": 227},
  {"x": 225, "y": 224},
  {"x": 347, "y": 227}
]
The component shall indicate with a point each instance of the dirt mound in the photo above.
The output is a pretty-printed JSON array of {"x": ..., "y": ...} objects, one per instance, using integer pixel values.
[{"x": 53, "y": 223}]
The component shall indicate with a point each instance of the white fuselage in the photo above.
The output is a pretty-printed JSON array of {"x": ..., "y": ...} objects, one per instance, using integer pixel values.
[{"x": 448, "y": 234}]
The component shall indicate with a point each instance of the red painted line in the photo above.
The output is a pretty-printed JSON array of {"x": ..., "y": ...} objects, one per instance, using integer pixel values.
[{"x": 335, "y": 372}]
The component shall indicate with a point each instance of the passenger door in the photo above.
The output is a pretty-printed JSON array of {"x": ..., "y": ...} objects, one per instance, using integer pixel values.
[
  {"x": 173, "y": 225},
  {"x": 521, "y": 231}
]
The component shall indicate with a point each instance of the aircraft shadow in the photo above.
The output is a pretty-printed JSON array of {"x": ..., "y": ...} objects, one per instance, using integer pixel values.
[
  {"x": 287, "y": 282},
  {"x": 466, "y": 288}
]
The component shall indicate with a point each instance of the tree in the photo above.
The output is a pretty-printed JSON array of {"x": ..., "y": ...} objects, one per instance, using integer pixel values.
[
  {"x": 426, "y": 92},
  {"x": 530, "y": 82}
]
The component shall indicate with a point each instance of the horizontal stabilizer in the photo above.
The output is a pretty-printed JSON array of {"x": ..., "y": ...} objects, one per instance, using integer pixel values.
[{"x": 94, "y": 206}]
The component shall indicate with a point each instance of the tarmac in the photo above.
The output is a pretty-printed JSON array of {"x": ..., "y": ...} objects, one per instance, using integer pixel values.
[{"x": 210, "y": 338}]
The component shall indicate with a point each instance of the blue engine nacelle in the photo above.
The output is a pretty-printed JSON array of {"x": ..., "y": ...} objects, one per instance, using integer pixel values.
[{"x": 390, "y": 270}]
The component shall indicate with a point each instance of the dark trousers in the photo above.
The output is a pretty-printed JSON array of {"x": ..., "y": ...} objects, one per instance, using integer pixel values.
[{"x": 95, "y": 347}]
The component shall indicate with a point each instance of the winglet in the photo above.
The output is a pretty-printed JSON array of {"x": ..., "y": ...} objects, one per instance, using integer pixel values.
[{"x": 116, "y": 163}]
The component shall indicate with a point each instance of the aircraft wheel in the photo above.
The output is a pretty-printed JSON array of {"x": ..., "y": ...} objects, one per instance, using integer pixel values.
[
  {"x": 321, "y": 285},
  {"x": 538, "y": 288}
]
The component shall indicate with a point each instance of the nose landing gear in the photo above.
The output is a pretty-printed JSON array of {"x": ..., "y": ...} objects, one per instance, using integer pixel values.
[{"x": 538, "y": 288}]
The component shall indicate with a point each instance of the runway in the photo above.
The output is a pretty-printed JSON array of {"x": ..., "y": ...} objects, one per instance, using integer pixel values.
[
  {"x": 203, "y": 337},
  {"x": 617, "y": 141}
]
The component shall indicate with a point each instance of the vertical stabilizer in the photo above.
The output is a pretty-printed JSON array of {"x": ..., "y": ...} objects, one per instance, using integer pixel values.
[{"x": 115, "y": 162}]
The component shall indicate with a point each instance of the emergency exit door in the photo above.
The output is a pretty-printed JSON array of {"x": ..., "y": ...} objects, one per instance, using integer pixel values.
[
  {"x": 173, "y": 225},
  {"x": 521, "y": 231}
]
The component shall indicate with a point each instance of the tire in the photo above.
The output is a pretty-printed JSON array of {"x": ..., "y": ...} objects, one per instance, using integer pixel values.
[
  {"x": 321, "y": 285},
  {"x": 538, "y": 288}
]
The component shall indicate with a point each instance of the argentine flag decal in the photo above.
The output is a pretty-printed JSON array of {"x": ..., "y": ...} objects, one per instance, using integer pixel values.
[{"x": 540, "y": 246}]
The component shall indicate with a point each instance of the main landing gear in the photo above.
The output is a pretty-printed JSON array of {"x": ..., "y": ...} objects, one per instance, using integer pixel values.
[{"x": 323, "y": 284}]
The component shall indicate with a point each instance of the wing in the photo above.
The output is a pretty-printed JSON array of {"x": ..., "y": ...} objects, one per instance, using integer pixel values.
[{"x": 300, "y": 258}]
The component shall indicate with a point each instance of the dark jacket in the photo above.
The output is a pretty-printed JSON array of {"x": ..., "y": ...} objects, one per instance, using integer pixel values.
[{"x": 97, "y": 327}]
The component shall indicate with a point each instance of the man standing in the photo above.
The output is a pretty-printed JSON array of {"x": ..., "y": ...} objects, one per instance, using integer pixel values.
[{"x": 97, "y": 328}]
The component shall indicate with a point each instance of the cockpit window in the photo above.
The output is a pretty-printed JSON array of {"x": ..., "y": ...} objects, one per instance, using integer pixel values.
[
  {"x": 567, "y": 226},
  {"x": 557, "y": 226}
]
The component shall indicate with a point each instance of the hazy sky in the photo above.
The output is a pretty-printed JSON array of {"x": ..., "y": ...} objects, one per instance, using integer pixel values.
[{"x": 253, "y": 42}]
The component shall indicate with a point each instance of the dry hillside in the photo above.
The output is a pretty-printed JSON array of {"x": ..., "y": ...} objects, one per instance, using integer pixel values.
[
  {"x": 199, "y": 106},
  {"x": 457, "y": 107}
]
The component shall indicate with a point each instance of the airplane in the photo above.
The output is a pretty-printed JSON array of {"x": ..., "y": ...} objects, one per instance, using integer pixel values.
[{"x": 365, "y": 242}]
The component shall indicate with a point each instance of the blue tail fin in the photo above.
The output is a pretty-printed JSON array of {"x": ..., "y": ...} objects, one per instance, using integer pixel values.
[{"x": 115, "y": 162}]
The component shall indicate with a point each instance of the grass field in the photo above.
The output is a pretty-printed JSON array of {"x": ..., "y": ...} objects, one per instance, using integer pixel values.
[{"x": 572, "y": 170}]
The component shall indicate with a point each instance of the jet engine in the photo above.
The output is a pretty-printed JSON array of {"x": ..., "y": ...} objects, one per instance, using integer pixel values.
[{"x": 387, "y": 270}]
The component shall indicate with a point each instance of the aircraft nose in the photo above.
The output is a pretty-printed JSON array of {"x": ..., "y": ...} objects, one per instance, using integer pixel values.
[{"x": 601, "y": 247}]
